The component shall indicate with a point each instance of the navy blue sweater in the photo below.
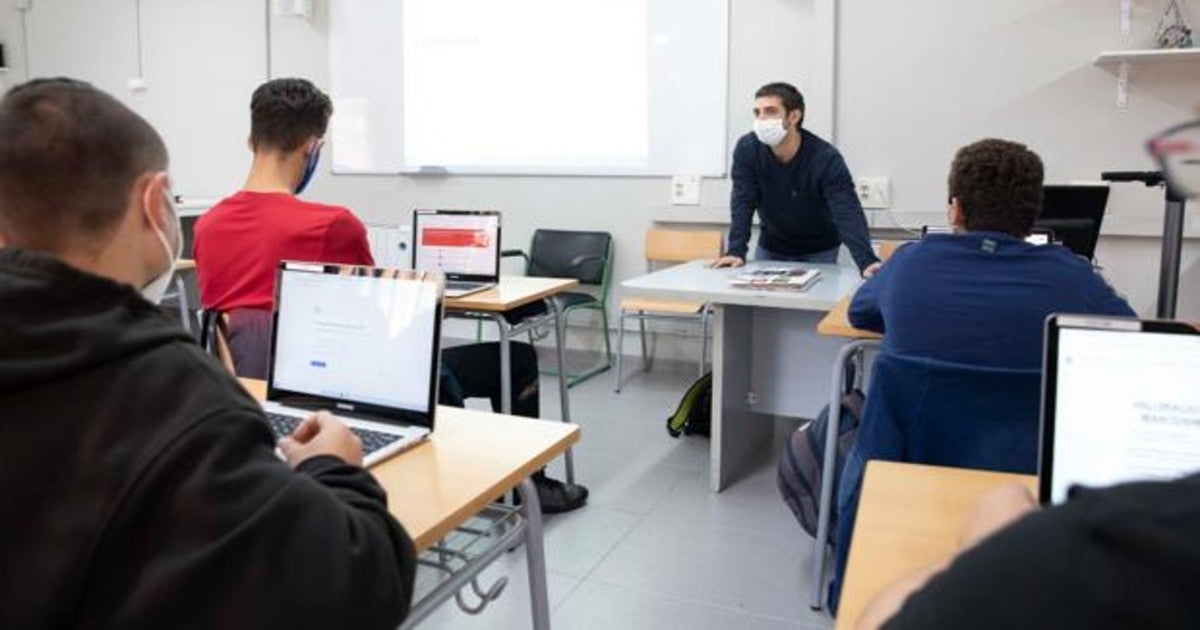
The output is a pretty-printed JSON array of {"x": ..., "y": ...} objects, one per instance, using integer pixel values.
[
  {"x": 807, "y": 205},
  {"x": 979, "y": 298}
]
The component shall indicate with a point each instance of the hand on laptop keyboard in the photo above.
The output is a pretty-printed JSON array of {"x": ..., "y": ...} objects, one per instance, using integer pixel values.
[{"x": 321, "y": 434}]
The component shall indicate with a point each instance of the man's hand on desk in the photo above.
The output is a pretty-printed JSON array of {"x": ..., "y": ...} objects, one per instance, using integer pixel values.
[
  {"x": 871, "y": 270},
  {"x": 321, "y": 434},
  {"x": 727, "y": 261}
]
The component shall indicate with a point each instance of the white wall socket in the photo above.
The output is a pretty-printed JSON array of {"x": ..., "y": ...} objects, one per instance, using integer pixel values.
[
  {"x": 685, "y": 190},
  {"x": 874, "y": 192}
]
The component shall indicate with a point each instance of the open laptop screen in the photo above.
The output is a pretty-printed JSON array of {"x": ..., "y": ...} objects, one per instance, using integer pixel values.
[
  {"x": 1122, "y": 403},
  {"x": 463, "y": 244},
  {"x": 362, "y": 338}
]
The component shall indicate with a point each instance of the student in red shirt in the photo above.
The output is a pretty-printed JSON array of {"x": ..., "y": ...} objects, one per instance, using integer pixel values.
[{"x": 240, "y": 241}]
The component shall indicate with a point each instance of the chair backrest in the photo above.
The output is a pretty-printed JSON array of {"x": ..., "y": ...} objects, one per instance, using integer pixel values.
[
  {"x": 682, "y": 245},
  {"x": 584, "y": 256},
  {"x": 214, "y": 337},
  {"x": 949, "y": 414},
  {"x": 945, "y": 414}
]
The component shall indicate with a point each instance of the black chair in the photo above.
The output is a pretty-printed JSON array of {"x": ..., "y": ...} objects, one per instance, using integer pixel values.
[{"x": 584, "y": 256}]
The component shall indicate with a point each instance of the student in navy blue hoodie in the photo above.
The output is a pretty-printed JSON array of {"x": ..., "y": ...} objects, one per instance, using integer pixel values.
[{"x": 980, "y": 296}]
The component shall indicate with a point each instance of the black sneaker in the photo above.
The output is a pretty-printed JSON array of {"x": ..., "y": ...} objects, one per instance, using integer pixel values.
[{"x": 557, "y": 497}]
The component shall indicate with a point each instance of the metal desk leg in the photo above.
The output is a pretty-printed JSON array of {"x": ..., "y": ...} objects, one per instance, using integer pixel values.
[
  {"x": 564, "y": 398},
  {"x": 535, "y": 556},
  {"x": 505, "y": 365},
  {"x": 831, "y": 440}
]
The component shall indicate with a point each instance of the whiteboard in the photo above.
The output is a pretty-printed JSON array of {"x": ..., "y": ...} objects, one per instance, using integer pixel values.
[{"x": 589, "y": 87}]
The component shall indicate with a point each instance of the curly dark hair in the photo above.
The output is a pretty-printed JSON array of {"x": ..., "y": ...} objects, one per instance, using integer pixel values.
[
  {"x": 999, "y": 185},
  {"x": 70, "y": 155},
  {"x": 284, "y": 113},
  {"x": 787, "y": 93}
]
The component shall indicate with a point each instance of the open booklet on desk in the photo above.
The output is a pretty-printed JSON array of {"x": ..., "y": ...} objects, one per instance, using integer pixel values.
[{"x": 774, "y": 278}]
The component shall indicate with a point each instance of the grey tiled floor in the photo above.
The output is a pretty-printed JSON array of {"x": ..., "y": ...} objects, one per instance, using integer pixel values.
[{"x": 654, "y": 548}]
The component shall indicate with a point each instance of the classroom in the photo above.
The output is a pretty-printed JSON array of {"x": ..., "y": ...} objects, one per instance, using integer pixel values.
[{"x": 600, "y": 314}]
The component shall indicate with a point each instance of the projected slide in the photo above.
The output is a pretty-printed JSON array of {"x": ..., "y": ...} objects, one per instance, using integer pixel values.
[{"x": 584, "y": 87}]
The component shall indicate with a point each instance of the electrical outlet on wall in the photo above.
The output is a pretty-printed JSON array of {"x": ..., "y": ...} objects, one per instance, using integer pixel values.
[
  {"x": 874, "y": 192},
  {"x": 685, "y": 190}
]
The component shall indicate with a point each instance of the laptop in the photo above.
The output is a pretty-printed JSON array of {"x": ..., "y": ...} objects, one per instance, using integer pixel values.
[
  {"x": 1039, "y": 236},
  {"x": 1075, "y": 213},
  {"x": 360, "y": 342},
  {"x": 462, "y": 244},
  {"x": 1120, "y": 402}
]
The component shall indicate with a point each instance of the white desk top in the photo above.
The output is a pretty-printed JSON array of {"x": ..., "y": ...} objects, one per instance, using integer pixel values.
[{"x": 695, "y": 281}]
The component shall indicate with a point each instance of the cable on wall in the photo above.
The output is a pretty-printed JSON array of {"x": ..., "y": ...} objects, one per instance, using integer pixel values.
[
  {"x": 137, "y": 16},
  {"x": 267, "y": 23},
  {"x": 25, "y": 42}
]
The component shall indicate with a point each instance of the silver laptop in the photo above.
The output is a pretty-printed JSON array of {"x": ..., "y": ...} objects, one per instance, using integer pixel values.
[
  {"x": 1120, "y": 402},
  {"x": 462, "y": 244},
  {"x": 360, "y": 342}
]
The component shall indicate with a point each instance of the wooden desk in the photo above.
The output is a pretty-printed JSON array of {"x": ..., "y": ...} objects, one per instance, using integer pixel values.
[
  {"x": 909, "y": 518},
  {"x": 513, "y": 292},
  {"x": 837, "y": 323},
  {"x": 471, "y": 458}
]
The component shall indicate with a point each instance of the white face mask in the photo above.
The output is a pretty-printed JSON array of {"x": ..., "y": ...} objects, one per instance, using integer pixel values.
[
  {"x": 157, "y": 288},
  {"x": 769, "y": 131}
]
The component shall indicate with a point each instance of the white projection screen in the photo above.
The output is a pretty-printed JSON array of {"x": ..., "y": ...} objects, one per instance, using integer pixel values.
[{"x": 537, "y": 87}]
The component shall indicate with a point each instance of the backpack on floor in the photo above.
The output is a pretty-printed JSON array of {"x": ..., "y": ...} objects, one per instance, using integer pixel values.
[
  {"x": 694, "y": 414},
  {"x": 800, "y": 465}
]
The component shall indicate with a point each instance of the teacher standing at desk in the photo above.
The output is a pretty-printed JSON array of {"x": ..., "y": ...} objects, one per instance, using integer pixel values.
[{"x": 800, "y": 186}]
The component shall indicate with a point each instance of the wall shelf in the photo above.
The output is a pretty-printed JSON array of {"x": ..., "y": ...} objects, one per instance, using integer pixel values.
[
  {"x": 1171, "y": 55},
  {"x": 1121, "y": 60}
]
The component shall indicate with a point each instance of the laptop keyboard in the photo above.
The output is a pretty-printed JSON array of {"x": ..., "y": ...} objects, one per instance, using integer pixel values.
[
  {"x": 283, "y": 426},
  {"x": 459, "y": 285}
]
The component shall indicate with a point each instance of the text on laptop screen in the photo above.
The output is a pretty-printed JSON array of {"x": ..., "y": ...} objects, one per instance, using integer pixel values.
[
  {"x": 361, "y": 338},
  {"x": 457, "y": 244},
  {"x": 1127, "y": 407}
]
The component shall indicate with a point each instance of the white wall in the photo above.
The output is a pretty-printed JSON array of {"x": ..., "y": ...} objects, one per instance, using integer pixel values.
[{"x": 915, "y": 80}]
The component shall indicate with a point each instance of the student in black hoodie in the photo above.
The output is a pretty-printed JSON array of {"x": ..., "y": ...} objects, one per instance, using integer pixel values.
[{"x": 139, "y": 487}]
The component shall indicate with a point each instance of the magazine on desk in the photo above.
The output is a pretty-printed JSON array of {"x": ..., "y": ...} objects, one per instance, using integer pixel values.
[{"x": 775, "y": 278}]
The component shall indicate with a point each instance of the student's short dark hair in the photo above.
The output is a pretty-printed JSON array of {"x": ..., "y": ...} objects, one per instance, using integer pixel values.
[
  {"x": 284, "y": 113},
  {"x": 791, "y": 97},
  {"x": 999, "y": 185},
  {"x": 69, "y": 157}
]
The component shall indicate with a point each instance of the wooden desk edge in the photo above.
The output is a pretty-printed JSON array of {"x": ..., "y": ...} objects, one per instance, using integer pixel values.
[
  {"x": 257, "y": 389},
  {"x": 837, "y": 323},
  {"x": 476, "y": 301},
  {"x": 855, "y": 599},
  {"x": 498, "y": 489}
]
